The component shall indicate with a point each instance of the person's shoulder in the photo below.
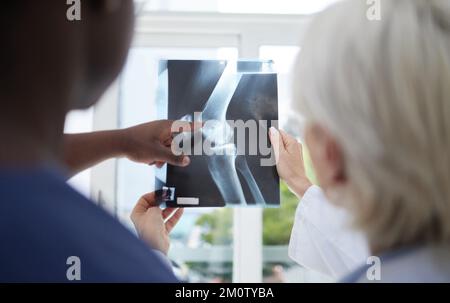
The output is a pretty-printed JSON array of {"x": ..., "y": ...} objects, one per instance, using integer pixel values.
[
  {"x": 418, "y": 265},
  {"x": 41, "y": 213},
  {"x": 409, "y": 265}
]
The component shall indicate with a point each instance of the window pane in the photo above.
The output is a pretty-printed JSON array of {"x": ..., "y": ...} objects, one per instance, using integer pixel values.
[
  {"x": 202, "y": 242},
  {"x": 80, "y": 121},
  {"x": 237, "y": 6}
]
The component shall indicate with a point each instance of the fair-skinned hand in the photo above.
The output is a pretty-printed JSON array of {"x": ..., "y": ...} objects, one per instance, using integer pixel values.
[
  {"x": 154, "y": 224},
  {"x": 290, "y": 166},
  {"x": 150, "y": 143}
]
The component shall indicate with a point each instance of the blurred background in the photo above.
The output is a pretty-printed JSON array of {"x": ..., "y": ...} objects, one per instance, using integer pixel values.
[{"x": 208, "y": 245}]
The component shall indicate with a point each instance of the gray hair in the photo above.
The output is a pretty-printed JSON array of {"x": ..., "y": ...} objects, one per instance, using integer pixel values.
[{"x": 382, "y": 88}]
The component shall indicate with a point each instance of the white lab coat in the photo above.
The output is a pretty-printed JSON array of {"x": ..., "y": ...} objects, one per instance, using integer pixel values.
[{"x": 321, "y": 238}]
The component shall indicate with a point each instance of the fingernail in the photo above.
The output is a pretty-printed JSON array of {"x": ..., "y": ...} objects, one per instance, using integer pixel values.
[
  {"x": 186, "y": 161},
  {"x": 273, "y": 131}
]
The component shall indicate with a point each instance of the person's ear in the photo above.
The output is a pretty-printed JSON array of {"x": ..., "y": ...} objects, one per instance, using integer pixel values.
[{"x": 326, "y": 156}]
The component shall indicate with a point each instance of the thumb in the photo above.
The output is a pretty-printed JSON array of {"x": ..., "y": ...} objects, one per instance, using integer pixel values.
[
  {"x": 145, "y": 202},
  {"x": 165, "y": 154}
]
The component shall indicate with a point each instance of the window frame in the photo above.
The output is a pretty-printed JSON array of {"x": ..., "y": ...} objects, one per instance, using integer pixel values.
[{"x": 246, "y": 32}]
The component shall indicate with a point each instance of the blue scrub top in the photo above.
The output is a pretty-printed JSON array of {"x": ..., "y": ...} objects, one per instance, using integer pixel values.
[{"x": 44, "y": 222}]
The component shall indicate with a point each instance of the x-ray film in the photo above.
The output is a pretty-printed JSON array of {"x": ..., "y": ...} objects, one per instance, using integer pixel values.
[{"x": 232, "y": 161}]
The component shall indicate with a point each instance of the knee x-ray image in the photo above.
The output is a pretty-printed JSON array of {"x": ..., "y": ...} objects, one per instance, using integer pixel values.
[{"x": 232, "y": 161}]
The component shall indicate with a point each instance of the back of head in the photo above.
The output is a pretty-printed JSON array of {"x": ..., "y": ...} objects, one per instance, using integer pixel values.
[
  {"x": 382, "y": 88},
  {"x": 46, "y": 54},
  {"x": 50, "y": 63}
]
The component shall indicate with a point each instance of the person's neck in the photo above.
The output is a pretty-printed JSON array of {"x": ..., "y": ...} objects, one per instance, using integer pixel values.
[{"x": 27, "y": 145}]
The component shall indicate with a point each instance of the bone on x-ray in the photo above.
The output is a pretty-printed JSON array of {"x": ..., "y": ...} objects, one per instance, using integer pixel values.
[{"x": 232, "y": 161}]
